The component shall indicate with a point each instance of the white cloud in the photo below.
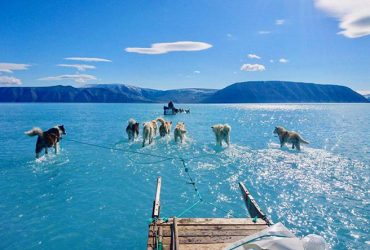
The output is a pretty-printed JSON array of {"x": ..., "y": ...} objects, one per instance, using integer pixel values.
[
  {"x": 80, "y": 67},
  {"x": 162, "y": 48},
  {"x": 252, "y": 67},
  {"x": 10, "y": 67},
  {"x": 9, "y": 80},
  {"x": 196, "y": 72},
  {"x": 353, "y": 15},
  {"x": 78, "y": 78},
  {"x": 271, "y": 61},
  {"x": 253, "y": 56},
  {"x": 264, "y": 32},
  {"x": 283, "y": 60},
  {"x": 87, "y": 59},
  {"x": 279, "y": 22}
]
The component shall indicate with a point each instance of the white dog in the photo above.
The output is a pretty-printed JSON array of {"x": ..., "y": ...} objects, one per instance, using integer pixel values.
[
  {"x": 180, "y": 132},
  {"x": 148, "y": 132},
  {"x": 222, "y": 133}
]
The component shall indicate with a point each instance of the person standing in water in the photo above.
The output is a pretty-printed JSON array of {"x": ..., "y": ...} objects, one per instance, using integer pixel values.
[{"x": 170, "y": 105}]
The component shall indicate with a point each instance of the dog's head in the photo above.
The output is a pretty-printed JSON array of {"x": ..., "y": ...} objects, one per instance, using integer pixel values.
[
  {"x": 278, "y": 130},
  {"x": 215, "y": 128},
  {"x": 62, "y": 129},
  {"x": 181, "y": 127}
]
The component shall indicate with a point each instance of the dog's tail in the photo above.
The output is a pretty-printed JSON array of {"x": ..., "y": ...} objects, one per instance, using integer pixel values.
[
  {"x": 160, "y": 119},
  {"x": 303, "y": 140},
  {"x": 34, "y": 131}
]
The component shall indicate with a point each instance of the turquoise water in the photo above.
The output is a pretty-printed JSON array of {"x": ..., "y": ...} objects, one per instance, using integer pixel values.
[{"x": 94, "y": 198}]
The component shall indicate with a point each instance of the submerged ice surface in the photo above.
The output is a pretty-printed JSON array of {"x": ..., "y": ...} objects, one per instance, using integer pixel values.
[{"x": 93, "y": 197}]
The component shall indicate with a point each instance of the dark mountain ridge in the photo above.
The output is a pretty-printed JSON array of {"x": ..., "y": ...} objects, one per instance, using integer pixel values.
[
  {"x": 283, "y": 92},
  {"x": 244, "y": 92}
]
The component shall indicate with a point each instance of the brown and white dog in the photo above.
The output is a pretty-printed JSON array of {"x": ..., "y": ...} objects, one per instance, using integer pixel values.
[
  {"x": 165, "y": 127},
  {"x": 132, "y": 129},
  {"x": 148, "y": 132},
  {"x": 292, "y": 137},
  {"x": 222, "y": 133},
  {"x": 180, "y": 132},
  {"x": 155, "y": 126},
  {"x": 47, "y": 139}
]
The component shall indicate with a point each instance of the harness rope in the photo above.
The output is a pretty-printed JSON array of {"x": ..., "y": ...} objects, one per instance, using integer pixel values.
[{"x": 164, "y": 158}]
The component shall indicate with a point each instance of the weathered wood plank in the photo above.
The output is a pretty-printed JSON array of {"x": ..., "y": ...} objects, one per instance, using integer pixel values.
[
  {"x": 203, "y": 231},
  {"x": 151, "y": 238},
  {"x": 198, "y": 233},
  {"x": 217, "y": 246},
  {"x": 160, "y": 235},
  {"x": 216, "y": 221},
  {"x": 217, "y": 227},
  {"x": 156, "y": 203},
  {"x": 204, "y": 240},
  {"x": 252, "y": 206},
  {"x": 175, "y": 233}
]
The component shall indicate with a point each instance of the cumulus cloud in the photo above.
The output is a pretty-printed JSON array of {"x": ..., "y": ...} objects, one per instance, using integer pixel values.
[
  {"x": 79, "y": 67},
  {"x": 283, "y": 60},
  {"x": 196, "y": 72},
  {"x": 252, "y": 67},
  {"x": 87, "y": 59},
  {"x": 279, "y": 22},
  {"x": 253, "y": 56},
  {"x": 353, "y": 15},
  {"x": 264, "y": 32},
  {"x": 10, "y": 67},
  {"x": 271, "y": 61},
  {"x": 78, "y": 78},
  {"x": 9, "y": 80},
  {"x": 162, "y": 48}
]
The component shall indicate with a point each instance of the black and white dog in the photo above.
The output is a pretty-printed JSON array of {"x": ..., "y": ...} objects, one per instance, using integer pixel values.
[
  {"x": 47, "y": 139},
  {"x": 132, "y": 129}
]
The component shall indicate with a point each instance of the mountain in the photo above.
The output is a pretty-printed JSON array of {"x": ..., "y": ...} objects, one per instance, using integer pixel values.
[
  {"x": 245, "y": 92},
  {"x": 110, "y": 93},
  {"x": 283, "y": 92},
  {"x": 190, "y": 95},
  {"x": 64, "y": 94}
]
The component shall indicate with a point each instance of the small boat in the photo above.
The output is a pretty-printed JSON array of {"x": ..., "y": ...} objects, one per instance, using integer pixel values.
[
  {"x": 171, "y": 110},
  {"x": 168, "y": 111}
]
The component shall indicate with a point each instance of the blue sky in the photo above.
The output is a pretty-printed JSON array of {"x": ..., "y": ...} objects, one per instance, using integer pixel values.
[{"x": 208, "y": 44}]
